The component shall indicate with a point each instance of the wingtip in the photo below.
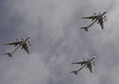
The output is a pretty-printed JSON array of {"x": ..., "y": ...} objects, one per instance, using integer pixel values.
[
  {"x": 94, "y": 56},
  {"x": 29, "y": 35},
  {"x": 106, "y": 11},
  {"x": 4, "y": 44},
  {"x": 82, "y": 17},
  {"x": 73, "y": 63}
]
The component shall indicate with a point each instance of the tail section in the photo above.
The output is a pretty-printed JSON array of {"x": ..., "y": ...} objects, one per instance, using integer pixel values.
[
  {"x": 85, "y": 28},
  {"x": 9, "y": 54},
  {"x": 75, "y": 72}
]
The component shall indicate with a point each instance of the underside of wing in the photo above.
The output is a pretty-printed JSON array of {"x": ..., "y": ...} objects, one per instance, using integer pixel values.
[
  {"x": 26, "y": 49},
  {"x": 82, "y": 62},
  {"x": 90, "y": 17},
  {"x": 101, "y": 23},
  {"x": 90, "y": 67},
  {"x": 12, "y": 43}
]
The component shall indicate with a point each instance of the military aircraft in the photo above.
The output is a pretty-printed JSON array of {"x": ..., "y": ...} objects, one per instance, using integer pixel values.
[
  {"x": 100, "y": 18},
  {"x": 88, "y": 63},
  {"x": 18, "y": 43}
]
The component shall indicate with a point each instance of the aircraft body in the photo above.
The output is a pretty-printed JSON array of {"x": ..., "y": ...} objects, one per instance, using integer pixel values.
[
  {"x": 18, "y": 44},
  {"x": 100, "y": 18},
  {"x": 88, "y": 63}
]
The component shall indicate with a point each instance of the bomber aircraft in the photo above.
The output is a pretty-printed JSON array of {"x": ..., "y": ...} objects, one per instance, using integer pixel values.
[
  {"x": 23, "y": 44},
  {"x": 100, "y": 18},
  {"x": 88, "y": 63}
]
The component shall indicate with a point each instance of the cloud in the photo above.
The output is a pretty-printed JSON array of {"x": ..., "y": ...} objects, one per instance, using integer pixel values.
[{"x": 57, "y": 40}]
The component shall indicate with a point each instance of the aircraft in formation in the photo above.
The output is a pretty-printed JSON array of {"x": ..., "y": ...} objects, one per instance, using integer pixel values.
[
  {"x": 100, "y": 19},
  {"x": 86, "y": 62},
  {"x": 22, "y": 43}
]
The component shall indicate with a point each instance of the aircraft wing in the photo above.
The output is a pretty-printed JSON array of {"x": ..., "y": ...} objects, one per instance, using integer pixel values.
[
  {"x": 27, "y": 38},
  {"x": 26, "y": 48},
  {"x": 82, "y": 62},
  {"x": 90, "y": 17},
  {"x": 90, "y": 67},
  {"x": 101, "y": 23},
  {"x": 12, "y": 43}
]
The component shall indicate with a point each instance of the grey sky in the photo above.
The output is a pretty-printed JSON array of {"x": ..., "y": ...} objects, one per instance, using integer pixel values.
[{"x": 57, "y": 41}]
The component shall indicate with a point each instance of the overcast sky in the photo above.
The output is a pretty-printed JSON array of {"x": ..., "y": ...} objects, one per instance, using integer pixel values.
[{"x": 57, "y": 41}]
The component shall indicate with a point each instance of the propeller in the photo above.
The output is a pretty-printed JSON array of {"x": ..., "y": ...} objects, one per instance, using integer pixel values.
[
  {"x": 104, "y": 16},
  {"x": 99, "y": 13},
  {"x": 83, "y": 59},
  {"x": 17, "y": 39},
  {"x": 29, "y": 43},
  {"x": 94, "y": 13},
  {"x": 22, "y": 39},
  {"x": 105, "y": 20}
]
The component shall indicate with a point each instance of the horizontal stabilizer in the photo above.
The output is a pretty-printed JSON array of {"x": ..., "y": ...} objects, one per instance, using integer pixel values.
[
  {"x": 75, "y": 72},
  {"x": 85, "y": 28},
  {"x": 9, "y": 54}
]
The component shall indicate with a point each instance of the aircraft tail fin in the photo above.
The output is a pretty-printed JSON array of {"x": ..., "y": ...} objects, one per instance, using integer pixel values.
[
  {"x": 85, "y": 28},
  {"x": 75, "y": 72},
  {"x": 9, "y": 54}
]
